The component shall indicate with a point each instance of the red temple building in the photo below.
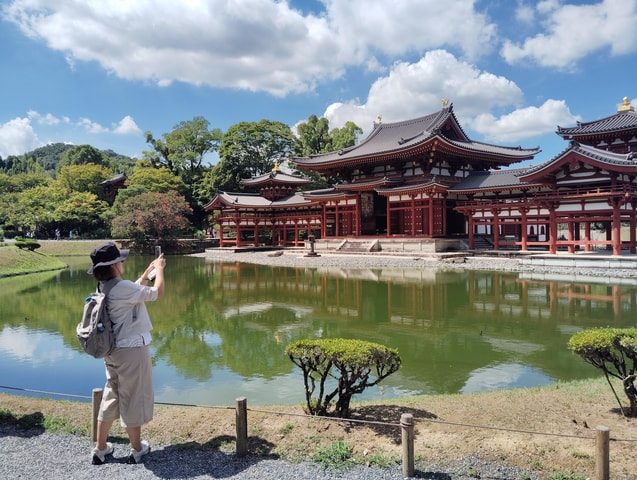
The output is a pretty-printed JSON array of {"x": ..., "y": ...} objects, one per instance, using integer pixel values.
[{"x": 425, "y": 179}]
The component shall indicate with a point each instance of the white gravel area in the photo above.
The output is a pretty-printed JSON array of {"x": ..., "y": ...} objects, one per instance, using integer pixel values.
[{"x": 597, "y": 264}]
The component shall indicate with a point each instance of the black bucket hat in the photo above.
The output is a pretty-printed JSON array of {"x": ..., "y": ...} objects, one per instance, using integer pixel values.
[{"x": 107, "y": 254}]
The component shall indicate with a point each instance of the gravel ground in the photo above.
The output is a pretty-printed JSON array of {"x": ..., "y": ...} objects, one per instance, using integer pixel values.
[
  {"x": 458, "y": 261},
  {"x": 33, "y": 455}
]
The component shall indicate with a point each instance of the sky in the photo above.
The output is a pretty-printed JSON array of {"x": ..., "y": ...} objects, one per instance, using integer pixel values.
[{"x": 104, "y": 72}]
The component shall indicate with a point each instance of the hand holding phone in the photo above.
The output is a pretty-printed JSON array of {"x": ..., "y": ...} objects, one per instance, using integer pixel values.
[{"x": 153, "y": 272}]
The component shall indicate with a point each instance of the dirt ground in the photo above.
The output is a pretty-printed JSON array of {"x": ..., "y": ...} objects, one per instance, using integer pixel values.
[{"x": 549, "y": 429}]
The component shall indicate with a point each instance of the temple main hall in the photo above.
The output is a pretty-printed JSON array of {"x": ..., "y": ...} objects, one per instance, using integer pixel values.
[{"x": 426, "y": 179}]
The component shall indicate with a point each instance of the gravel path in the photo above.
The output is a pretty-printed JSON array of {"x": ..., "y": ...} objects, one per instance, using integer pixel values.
[{"x": 34, "y": 455}]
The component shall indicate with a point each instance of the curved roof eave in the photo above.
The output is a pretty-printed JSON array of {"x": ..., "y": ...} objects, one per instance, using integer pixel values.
[
  {"x": 593, "y": 156},
  {"x": 612, "y": 123}
]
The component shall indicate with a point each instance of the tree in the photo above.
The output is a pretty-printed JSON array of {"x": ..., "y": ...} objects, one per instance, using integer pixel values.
[
  {"x": 81, "y": 155},
  {"x": 348, "y": 363},
  {"x": 344, "y": 137},
  {"x": 316, "y": 138},
  {"x": 182, "y": 150},
  {"x": 84, "y": 213},
  {"x": 150, "y": 214},
  {"x": 614, "y": 351},
  {"x": 159, "y": 180},
  {"x": 83, "y": 178},
  {"x": 248, "y": 149},
  {"x": 34, "y": 208}
]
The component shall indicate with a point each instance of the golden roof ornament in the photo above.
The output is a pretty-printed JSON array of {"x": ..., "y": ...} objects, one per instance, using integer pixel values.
[
  {"x": 626, "y": 106},
  {"x": 275, "y": 168},
  {"x": 445, "y": 102},
  {"x": 379, "y": 118}
]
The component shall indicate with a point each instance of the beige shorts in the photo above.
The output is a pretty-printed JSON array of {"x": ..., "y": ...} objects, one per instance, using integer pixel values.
[{"x": 128, "y": 393}]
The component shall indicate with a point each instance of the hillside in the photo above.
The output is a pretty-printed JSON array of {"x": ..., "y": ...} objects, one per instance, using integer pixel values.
[{"x": 48, "y": 157}]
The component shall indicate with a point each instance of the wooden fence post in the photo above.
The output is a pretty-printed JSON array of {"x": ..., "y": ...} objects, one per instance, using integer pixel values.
[
  {"x": 96, "y": 399},
  {"x": 242, "y": 426},
  {"x": 407, "y": 427},
  {"x": 602, "y": 462}
]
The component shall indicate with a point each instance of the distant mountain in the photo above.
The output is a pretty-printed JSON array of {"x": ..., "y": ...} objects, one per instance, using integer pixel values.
[{"x": 47, "y": 158}]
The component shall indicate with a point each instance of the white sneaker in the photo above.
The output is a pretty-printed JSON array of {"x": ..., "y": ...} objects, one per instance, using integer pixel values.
[
  {"x": 136, "y": 456},
  {"x": 98, "y": 456}
]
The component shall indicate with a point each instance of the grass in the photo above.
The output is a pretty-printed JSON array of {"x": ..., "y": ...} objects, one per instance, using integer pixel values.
[
  {"x": 14, "y": 261},
  {"x": 493, "y": 425}
]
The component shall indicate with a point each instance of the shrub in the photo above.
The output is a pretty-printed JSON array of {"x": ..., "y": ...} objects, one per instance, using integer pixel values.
[
  {"x": 29, "y": 243},
  {"x": 349, "y": 366},
  {"x": 614, "y": 351}
]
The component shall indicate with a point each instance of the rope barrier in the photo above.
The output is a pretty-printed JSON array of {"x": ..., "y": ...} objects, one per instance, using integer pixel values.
[
  {"x": 335, "y": 419},
  {"x": 45, "y": 392}
]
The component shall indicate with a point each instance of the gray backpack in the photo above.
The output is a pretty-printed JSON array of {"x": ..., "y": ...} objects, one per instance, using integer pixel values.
[{"x": 95, "y": 331}]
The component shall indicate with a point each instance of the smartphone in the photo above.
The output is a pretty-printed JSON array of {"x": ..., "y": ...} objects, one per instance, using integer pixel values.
[{"x": 153, "y": 273}]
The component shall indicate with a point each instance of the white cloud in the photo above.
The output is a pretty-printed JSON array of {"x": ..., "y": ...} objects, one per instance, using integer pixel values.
[
  {"x": 524, "y": 123},
  {"x": 257, "y": 45},
  {"x": 127, "y": 126},
  {"x": 91, "y": 126},
  {"x": 17, "y": 137},
  {"x": 414, "y": 89},
  {"x": 575, "y": 31},
  {"x": 47, "y": 119}
]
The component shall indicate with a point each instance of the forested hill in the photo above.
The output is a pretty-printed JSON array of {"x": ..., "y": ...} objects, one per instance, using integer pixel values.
[{"x": 47, "y": 158}]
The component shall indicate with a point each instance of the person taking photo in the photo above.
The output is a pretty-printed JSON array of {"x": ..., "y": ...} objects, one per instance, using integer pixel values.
[{"x": 128, "y": 393}]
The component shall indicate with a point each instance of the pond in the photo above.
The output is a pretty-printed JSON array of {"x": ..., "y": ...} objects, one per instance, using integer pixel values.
[{"x": 221, "y": 329}]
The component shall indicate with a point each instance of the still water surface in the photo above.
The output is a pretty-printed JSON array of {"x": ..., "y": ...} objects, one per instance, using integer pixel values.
[{"x": 221, "y": 330}]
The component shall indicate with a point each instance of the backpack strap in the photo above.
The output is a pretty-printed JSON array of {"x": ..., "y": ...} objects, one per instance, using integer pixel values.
[{"x": 107, "y": 286}]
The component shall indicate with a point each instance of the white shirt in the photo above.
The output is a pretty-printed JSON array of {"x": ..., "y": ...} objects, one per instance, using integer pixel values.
[{"x": 126, "y": 305}]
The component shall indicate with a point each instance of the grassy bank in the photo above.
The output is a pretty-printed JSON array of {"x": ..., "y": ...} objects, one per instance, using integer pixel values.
[
  {"x": 495, "y": 425},
  {"x": 14, "y": 261}
]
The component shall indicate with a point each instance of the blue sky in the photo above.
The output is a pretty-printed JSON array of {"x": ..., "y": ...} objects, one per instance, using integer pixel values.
[{"x": 103, "y": 72}]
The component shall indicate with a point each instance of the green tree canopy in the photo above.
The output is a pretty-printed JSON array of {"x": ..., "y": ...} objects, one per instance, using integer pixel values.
[
  {"x": 183, "y": 149},
  {"x": 248, "y": 149},
  {"x": 614, "y": 351},
  {"x": 338, "y": 368},
  {"x": 84, "y": 213},
  {"x": 151, "y": 214},
  {"x": 314, "y": 136},
  {"x": 83, "y": 178},
  {"x": 159, "y": 180},
  {"x": 81, "y": 155}
]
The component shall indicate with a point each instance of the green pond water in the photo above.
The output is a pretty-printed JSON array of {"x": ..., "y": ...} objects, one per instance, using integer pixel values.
[{"x": 221, "y": 329}]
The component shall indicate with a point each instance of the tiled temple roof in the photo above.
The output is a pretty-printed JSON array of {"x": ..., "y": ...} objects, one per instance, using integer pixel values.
[
  {"x": 389, "y": 139},
  {"x": 624, "y": 119}
]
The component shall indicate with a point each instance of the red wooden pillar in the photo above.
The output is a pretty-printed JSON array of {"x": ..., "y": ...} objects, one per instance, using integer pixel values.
[
  {"x": 221, "y": 242},
  {"x": 324, "y": 222},
  {"x": 617, "y": 240},
  {"x": 587, "y": 236},
  {"x": 357, "y": 216},
  {"x": 237, "y": 224},
  {"x": 524, "y": 229},
  {"x": 552, "y": 230},
  {"x": 431, "y": 215},
  {"x": 495, "y": 228},
  {"x": 256, "y": 233},
  {"x": 633, "y": 239},
  {"x": 413, "y": 215},
  {"x": 571, "y": 235},
  {"x": 388, "y": 217},
  {"x": 471, "y": 226}
]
